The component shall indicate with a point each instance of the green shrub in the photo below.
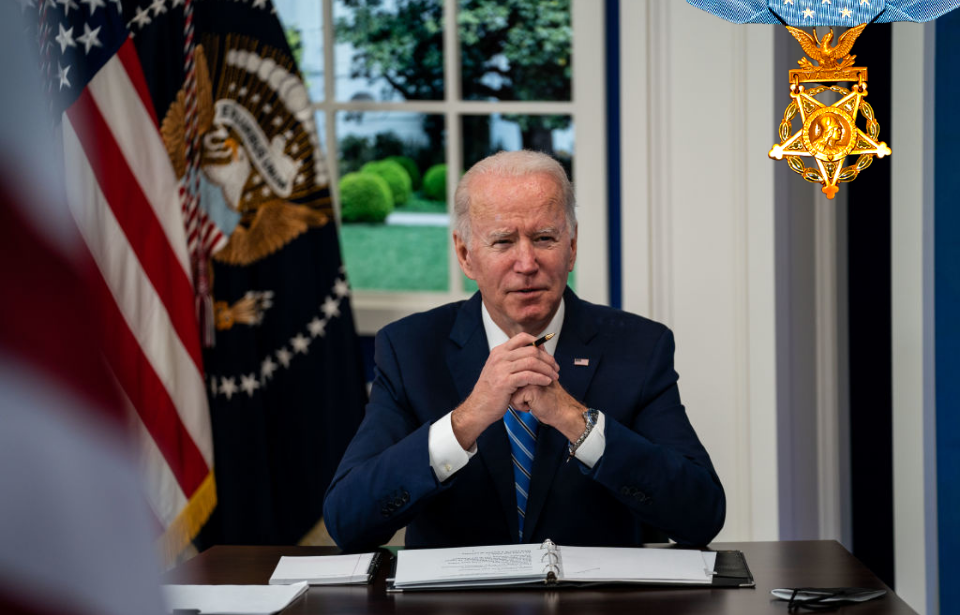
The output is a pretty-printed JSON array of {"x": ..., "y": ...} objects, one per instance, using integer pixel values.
[
  {"x": 411, "y": 168},
  {"x": 396, "y": 177},
  {"x": 435, "y": 182},
  {"x": 364, "y": 197}
]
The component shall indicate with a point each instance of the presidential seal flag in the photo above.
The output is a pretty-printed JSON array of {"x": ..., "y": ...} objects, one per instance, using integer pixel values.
[
  {"x": 124, "y": 194},
  {"x": 284, "y": 372}
]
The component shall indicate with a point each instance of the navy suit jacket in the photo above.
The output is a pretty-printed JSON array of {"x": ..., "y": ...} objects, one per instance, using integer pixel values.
[{"x": 654, "y": 470}]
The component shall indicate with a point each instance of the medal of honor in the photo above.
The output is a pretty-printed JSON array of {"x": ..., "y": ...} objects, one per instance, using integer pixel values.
[{"x": 829, "y": 133}]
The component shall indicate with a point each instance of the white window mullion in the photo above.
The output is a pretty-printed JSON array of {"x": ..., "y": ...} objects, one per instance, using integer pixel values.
[
  {"x": 329, "y": 95},
  {"x": 452, "y": 93}
]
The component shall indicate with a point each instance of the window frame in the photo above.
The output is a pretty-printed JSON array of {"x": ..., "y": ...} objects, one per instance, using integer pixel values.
[{"x": 587, "y": 108}]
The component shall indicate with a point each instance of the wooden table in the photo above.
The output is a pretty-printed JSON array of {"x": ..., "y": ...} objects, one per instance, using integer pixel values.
[{"x": 815, "y": 563}]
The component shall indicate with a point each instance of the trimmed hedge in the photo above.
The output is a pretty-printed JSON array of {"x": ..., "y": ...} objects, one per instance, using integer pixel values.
[
  {"x": 411, "y": 168},
  {"x": 435, "y": 182},
  {"x": 396, "y": 177},
  {"x": 364, "y": 197}
]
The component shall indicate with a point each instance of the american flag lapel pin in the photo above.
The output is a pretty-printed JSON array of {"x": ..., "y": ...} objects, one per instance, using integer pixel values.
[{"x": 582, "y": 362}]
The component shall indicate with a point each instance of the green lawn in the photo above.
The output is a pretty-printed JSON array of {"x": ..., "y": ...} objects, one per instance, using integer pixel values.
[{"x": 381, "y": 257}]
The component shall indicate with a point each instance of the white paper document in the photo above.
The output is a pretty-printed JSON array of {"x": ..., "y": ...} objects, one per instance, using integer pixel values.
[
  {"x": 591, "y": 564},
  {"x": 548, "y": 563},
  {"x": 462, "y": 567},
  {"x": 324, "y": 569},
  {"x": 232, "y": 599}
]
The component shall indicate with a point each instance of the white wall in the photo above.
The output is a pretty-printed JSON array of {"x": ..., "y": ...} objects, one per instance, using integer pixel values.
[
  {"x": 914, "y": 432},
  {"x": 698, "y": 231}
]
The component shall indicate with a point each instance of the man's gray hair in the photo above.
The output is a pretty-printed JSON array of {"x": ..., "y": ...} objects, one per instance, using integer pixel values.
[{"x": 512, "y": 164}]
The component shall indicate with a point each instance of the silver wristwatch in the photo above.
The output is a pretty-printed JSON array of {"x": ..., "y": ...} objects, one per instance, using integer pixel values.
[{"x": 590, "y": 418}]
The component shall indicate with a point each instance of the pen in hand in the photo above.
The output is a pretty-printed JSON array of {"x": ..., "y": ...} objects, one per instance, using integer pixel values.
[{"x": 543, "y": 340}]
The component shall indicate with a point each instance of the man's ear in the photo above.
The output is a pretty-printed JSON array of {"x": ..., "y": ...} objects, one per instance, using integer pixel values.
[
  {"x": 573, "y": 249},
  {"x": 463, "y": 255}
]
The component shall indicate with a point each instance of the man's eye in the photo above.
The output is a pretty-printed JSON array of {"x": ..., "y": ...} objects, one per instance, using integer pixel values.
[
  {"x": 546, "y": 239},
  {"x": 501, "y": 242}
]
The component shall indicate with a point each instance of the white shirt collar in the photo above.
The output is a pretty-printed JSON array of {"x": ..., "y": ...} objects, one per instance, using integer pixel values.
[{"x": 496, "y": 336}]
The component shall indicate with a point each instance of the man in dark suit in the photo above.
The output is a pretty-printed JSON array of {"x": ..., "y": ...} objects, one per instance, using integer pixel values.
[{"x": 475, "y": 436}]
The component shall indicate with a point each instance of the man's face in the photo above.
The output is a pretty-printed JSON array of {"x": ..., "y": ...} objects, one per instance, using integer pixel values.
[{"x": 520, "y": 249}]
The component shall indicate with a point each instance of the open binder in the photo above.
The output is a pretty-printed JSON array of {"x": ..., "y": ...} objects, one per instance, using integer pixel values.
[{"x": 530, "y": 565}]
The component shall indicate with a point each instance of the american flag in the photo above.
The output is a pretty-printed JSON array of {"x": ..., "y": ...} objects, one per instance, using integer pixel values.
[{"x": 129, "y": 206}]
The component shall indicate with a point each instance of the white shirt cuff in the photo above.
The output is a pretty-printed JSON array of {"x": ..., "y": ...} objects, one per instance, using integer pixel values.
[
  {"x": 446, "y": 454},
  {"x": 590, "y": 451}
]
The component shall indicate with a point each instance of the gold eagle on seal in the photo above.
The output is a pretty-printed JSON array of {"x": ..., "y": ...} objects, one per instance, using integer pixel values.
[{"x": 254, "y": 148}]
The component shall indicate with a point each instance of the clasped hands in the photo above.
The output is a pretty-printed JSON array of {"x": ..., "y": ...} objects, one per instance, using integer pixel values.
[{"x": 523, "y": 376}]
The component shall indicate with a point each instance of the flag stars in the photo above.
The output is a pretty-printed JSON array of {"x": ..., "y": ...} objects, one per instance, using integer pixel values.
[
  {"x": 158, "y": 6},
  {"x": 62, "y": 75},
  {"x": 341, "y": 288},
  {"x": 277, "y": 121},
  {"x": 259, "y": 4},
  {"x": 142, "y": 18},
  {"x": 300, "y": 343},
  {"x": 65, "y": 38},
  {"x": 317, "y": 327},
  {"x": 267, "y": 108},
  {"x": 808, "y": 13},
  {"x": 227, "y": 387},
  {"x": 845, "y": 12},
  {"x": 255, "y": 98},
  {"x": 242, "y": 91},
  {"x": 176, "y": 3},
  {"x": 284, "y": 356},
  {"x": 213, "y": 386},
  {"x": 249, "y": 384},
  {"x": 267, "y": 368},
  {"x": 862, "y": 2},
  {"x": 67, "y": 5},
  {"x": 330, "y": 307},
  {"x": 232, "y": 87},
  {"x": 825, "y": 2},
  {"x": 89, "y": 38},
  {"x": 785, "y": 2},
  {"x": 93, "y": 5}
]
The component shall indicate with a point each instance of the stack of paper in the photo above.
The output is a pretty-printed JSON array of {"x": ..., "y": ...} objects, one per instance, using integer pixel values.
[
  {"x": 231, "y": 599},
  {"x": 325, "y": 569}
]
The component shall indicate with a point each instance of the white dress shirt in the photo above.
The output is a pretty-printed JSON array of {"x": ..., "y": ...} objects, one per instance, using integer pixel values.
[{"x": 446, "y": 454}]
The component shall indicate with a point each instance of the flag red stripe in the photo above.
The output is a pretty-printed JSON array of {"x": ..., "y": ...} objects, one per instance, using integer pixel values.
[
  {"x": 138, "y": 221},
  {"x": 148, "y": 395},
  {"x": 131, "y": 64}
]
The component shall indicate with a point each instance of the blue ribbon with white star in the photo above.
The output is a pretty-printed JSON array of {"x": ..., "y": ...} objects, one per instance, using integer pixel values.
[{"x": 808, "y": 13}]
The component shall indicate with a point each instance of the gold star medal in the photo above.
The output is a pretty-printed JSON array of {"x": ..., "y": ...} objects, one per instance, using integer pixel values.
[{"x": 829, "y": 133}]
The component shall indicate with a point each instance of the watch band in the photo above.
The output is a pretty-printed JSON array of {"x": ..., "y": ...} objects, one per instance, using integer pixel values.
[{"x": 590, "y": 418}]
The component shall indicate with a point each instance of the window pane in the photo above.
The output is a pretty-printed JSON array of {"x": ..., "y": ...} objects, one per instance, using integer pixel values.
[
  {"x": 484, "y": 135},
  {"x": 515, "y": 49},
  {"x": 395, "y": 226},
  {"x": 389, "y": 50},
  {"x": 303, "y": 25}
]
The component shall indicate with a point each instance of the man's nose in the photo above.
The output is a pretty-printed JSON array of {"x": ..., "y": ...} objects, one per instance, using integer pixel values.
[{"x": 526, "y": 261}]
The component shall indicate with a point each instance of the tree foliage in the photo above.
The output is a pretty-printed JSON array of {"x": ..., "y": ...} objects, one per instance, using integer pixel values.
[{"x": 511, "y": 50}]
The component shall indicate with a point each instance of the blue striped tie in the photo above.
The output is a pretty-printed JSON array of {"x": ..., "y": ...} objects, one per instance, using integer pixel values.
[{"x": 522, "y": 429}]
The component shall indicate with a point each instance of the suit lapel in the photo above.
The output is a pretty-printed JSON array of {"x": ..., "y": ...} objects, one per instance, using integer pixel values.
[
  {"x": 575, "y": 337},
  {"x": 465, "y": 360}
]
